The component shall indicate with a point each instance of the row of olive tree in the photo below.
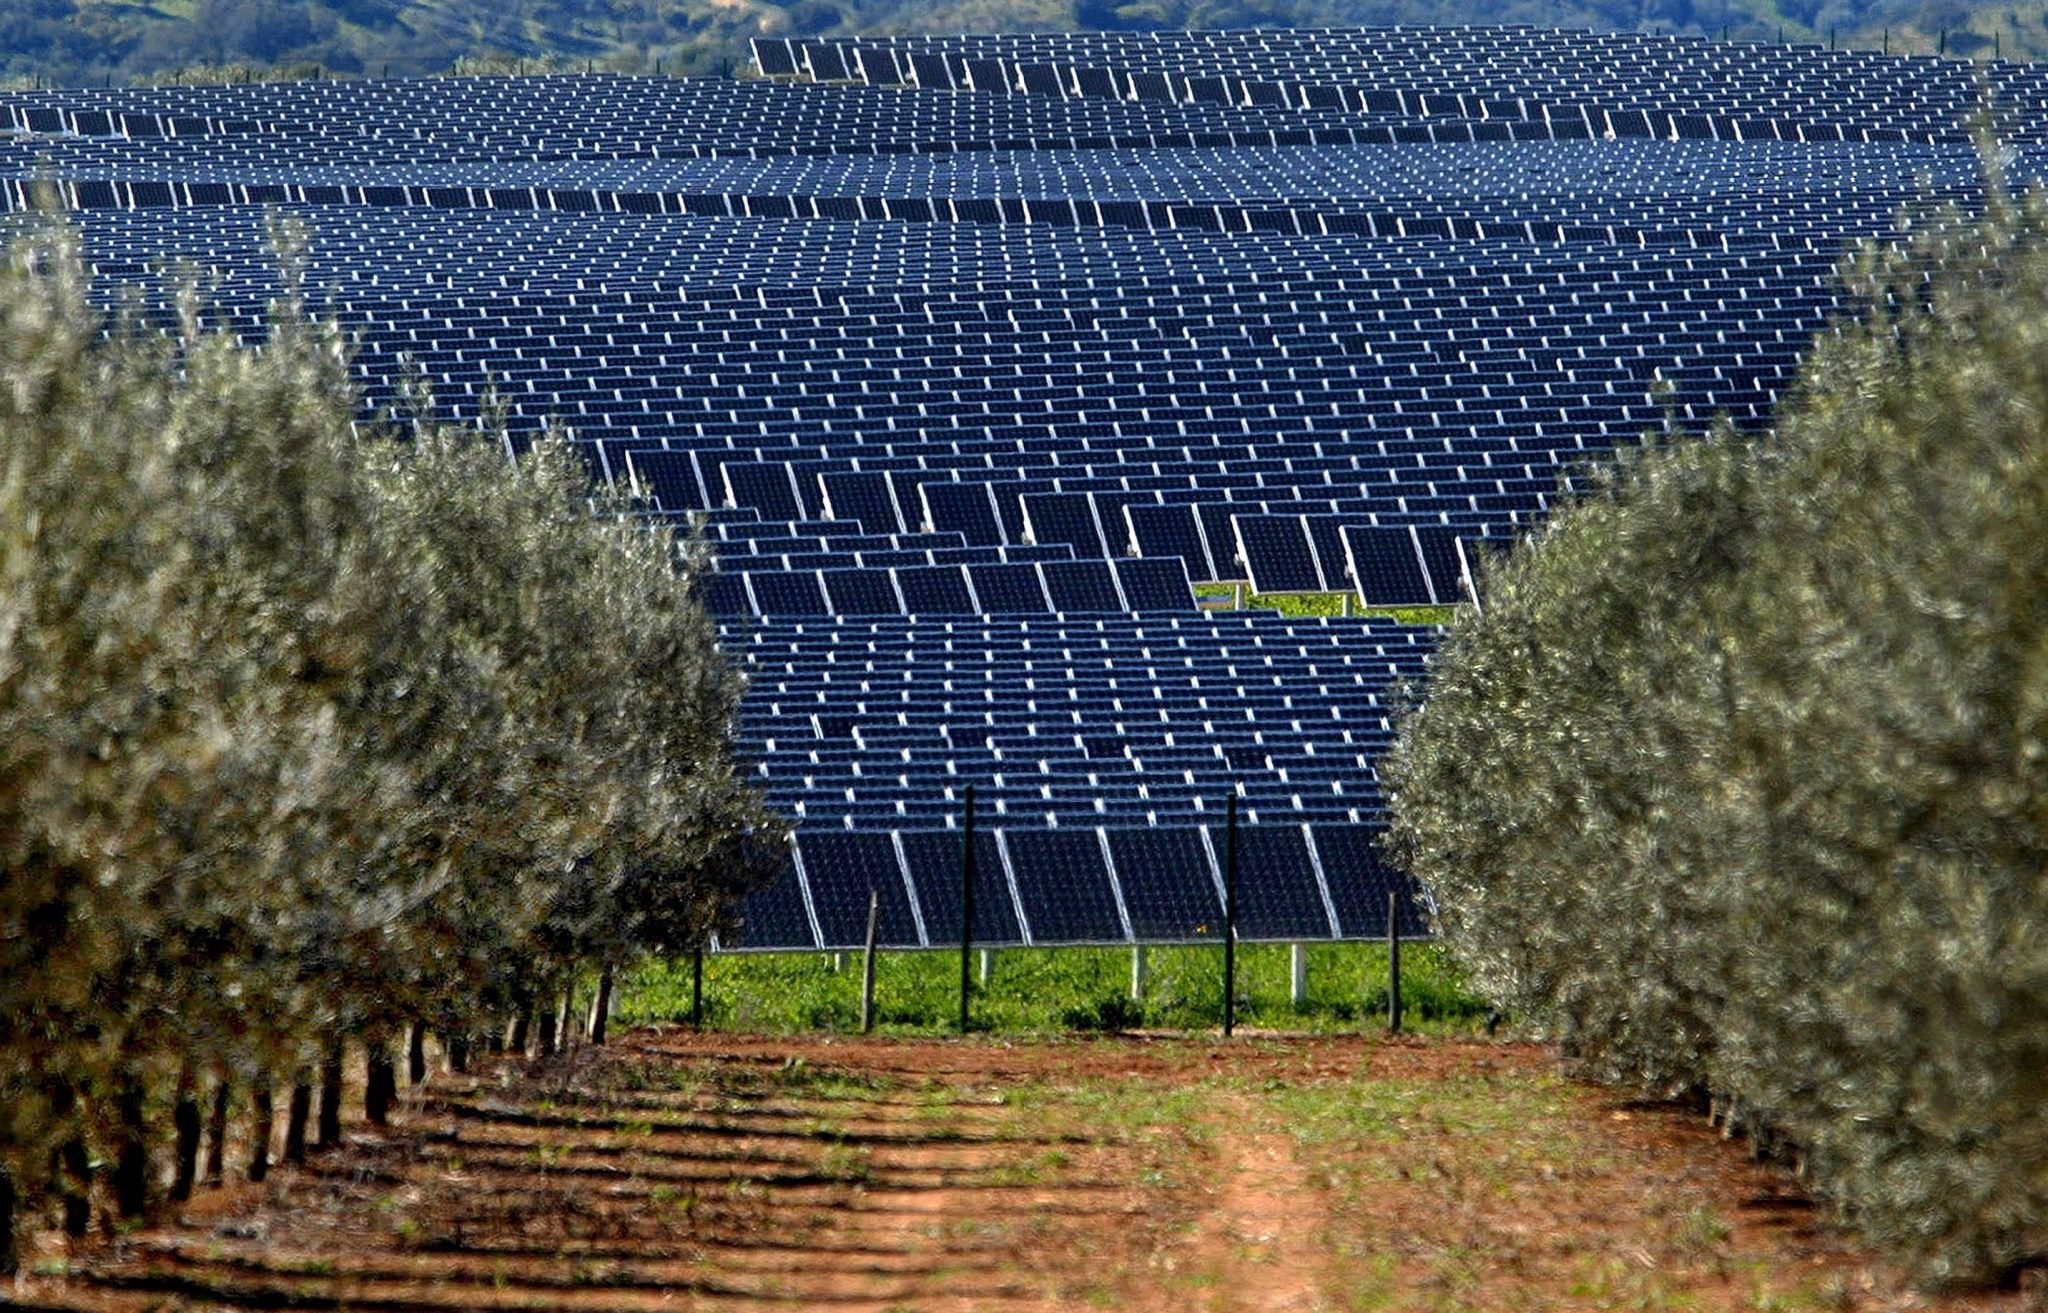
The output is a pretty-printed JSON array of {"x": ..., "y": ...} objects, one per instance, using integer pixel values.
[
  {"x": 311, "y": 730},
  {"x": 1740, "y": 781}
]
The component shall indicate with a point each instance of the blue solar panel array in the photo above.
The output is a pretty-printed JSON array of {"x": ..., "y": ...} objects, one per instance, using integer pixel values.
[{"x": 970, "y": 355}]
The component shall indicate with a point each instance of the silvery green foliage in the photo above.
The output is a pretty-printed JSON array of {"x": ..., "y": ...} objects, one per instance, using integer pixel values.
[
  {"x": 1551, "y": 781},
  {"x": 1739, "y": 782},
  {"x": 310, "y": 726}
]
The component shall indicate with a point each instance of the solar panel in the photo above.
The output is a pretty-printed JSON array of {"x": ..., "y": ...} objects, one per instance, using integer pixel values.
[
  {"x": 1063, "y": 884},
  {"x": 767, "y": 488},
  {"x": 1063, "y": 517},
  {"x": 1009, "y": 589},
  {"x": 1386, "y": 565},
  {"x": 1220, "y": 532},
  {"x": 932, "y": 71},
  {"x": 725, "y": 596},
  {"x": 962, "y": 508},
  {"x": 1155, "y": 585},
  {"x": 775, "y": 916},
  {"x": 791, "y": 594},
  {"x": 667, "y": 476},
  {"x": 772, "y": 57},
  {"x": 863, "y": 498},
  {"x": 1171, "y": 531},
  {"x": 841, "y": 867},
  {"x": 1278, "y": 894},
  {"x": 1081, "y": 586},
  {"x": 1276, "y": 553},
  {"x": 861, "y": 592},
  {"x": 1168, "y": 885},
  {"x": 1359, "y": 878},
  {"x": 825, "y": 62},
  {"x": 934, "y": 590},
  {"x": 933, "y": 859},
  {"x": 1439, "y": 547}
]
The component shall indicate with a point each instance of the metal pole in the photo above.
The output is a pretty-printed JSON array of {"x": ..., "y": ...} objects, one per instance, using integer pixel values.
[
  {"x": 1230, "y": 915},
  {"x": 697, "y": 988},
  {"x": 867, "y": 965},
  {"x": 966, "y": 908},
  {"x": 1393, "y": 962}
]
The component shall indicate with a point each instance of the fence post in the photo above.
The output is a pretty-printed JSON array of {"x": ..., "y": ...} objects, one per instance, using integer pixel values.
[
  {"x": 1139, "y": 968},
  {"x": 1297, "y": 975},
  {"x": 966, "y": 907},
  {"x": 1393, "y": 962},
  {"x": 1230, "y": 915},
  {"x": 867, "y": 965}
]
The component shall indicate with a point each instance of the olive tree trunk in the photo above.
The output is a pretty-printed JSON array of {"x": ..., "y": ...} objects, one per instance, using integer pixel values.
[
  {"x": 261, "y": 1124},
  {"x": 329, "y": 1130},
  {"x": 217, "y": 1135}
]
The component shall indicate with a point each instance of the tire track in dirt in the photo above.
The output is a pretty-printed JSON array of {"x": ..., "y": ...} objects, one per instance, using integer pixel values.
[{"x": 1259, "y": 1247}]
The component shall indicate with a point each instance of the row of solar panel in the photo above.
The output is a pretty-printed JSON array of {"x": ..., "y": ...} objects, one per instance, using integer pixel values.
[
  {"x": 1079, "y": 886},
  {"x": 994, "y": 588},
  {"x": 532, "y": 118},
  {"x": 877, "y": 66},
  {"x": 1450, "y": 60},
  {"x": 775, "y": 262},
  {"x": 1330, "y": 218},
  {"x": 596, "y": 118},
  {"x": 1305, "y": 175},
  {"x": 1407, "y": 566},
  {"x": 135, "y": 126},
  {"x": 772, "y": 475},
  {"x": 1146, "y": 719},
  {"x": 561, "y": 118}
]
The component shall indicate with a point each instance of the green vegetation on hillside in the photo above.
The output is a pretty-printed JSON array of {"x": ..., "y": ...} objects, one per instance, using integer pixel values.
[
  {"x": 68, "y": 42},
  {"x": 1738, "y": 782}
]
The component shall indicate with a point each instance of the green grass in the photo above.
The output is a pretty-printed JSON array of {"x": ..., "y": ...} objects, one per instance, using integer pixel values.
[
  {"x": 1047, "y": 990},
  {"x": 1312, "y": 604}
]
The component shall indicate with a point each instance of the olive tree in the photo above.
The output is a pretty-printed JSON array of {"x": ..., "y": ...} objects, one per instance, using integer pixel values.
[{"x": 1736, "y": 785}]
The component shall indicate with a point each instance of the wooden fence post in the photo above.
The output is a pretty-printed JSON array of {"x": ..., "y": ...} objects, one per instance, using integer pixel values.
[{"x": 1393, "y": 962}]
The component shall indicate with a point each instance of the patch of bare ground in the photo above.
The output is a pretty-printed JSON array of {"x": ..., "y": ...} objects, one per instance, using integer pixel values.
[
  {"x": 678, "y": 1171},
  {"x": 1257, "y": 1245}
]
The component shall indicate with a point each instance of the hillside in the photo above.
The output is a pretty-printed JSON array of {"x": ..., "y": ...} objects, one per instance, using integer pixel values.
[{"x": 69, "y": 42}]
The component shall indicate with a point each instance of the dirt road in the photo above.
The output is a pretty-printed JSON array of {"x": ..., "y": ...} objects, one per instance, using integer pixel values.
[{"x": 673, "y": 1171}]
